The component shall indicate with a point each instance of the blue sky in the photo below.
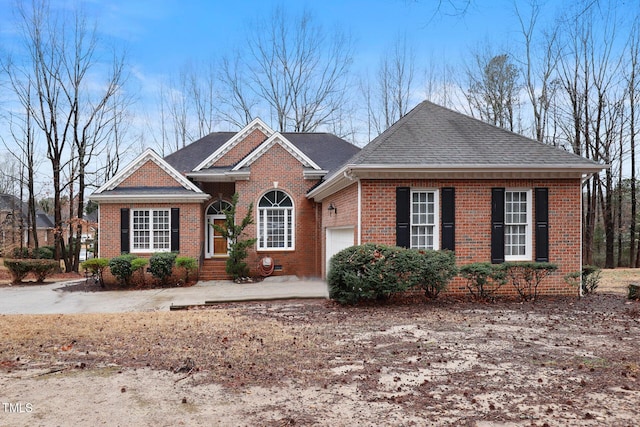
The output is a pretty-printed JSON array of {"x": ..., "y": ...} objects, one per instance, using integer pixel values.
[{"x": 162, "y": 35}]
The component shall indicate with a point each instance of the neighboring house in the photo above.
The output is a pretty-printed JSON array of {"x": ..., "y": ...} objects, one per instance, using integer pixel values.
[
  {"x": 15, "y": 230},
  {"x": 436, "y": 179}
]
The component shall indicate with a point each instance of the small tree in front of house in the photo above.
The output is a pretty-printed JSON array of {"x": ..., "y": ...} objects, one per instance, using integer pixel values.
[{"x": 238, "y": 242}]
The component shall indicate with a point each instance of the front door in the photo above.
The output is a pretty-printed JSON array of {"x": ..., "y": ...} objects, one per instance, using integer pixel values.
[
  {"x": 219, "y": 242},
  {"x": 216, "y": 244}
]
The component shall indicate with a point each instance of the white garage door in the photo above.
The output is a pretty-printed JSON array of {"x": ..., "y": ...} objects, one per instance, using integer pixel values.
[{"x": 337, "y": 240}]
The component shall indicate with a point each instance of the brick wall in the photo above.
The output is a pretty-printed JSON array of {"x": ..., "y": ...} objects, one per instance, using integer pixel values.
[
  {"x": 473, "y": 221},
  {"x": 191, "y": 227},
  {"x": 345, "y": 201},
  {"x": 242, "y": 148},
  {"x": 151, "y": 175},
  {"x": 277, "y": 165}
]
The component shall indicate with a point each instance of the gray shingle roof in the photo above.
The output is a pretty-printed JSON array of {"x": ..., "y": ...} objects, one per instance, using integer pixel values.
[
  {"x": 187, "y": 158},
  {"x": 326, "y": 150},
  {"x": 432, "y": 135}
]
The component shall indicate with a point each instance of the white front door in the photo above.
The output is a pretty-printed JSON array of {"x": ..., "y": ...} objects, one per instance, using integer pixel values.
[{"x": 337, "y": 240}]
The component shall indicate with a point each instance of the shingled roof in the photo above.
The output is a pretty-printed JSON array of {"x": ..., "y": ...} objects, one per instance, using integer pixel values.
[
  {"x": 326, "y": 150},
  {"x": 435, "y": 142},
  {"x": 433, "y": 135}
]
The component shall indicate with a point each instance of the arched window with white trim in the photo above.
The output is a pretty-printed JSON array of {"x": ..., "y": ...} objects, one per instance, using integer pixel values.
[{"x": 275, "y": 221}]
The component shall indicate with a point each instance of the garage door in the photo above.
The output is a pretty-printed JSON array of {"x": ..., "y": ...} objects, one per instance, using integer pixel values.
[{"x": 337, "y": 240}]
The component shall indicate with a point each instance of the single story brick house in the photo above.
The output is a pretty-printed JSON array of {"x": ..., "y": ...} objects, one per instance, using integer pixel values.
[{"x": 436, "y": 179}]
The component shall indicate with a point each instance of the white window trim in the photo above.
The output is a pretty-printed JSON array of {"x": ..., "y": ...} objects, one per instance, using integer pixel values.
[
  {"x": 150, "y": 249},
  {"x": 528, "y": 250},
  {"x": 263, "y": 227},
  {"x": 436, "y": 219}
]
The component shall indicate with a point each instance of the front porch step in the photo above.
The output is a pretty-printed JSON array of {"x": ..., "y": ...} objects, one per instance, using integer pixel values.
[{"x": 214, "y": 269}]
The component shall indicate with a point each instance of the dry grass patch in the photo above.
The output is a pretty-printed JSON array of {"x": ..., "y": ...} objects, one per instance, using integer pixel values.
[
  {"x": 618, "y": 279},
  {"x": 232, "y": 348}
]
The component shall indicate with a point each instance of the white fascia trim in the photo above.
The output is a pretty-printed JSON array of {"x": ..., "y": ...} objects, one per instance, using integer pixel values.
[
  {"x": 156, "y": 198},
  {"x": 227, "y": 146},
  {"x": 284, "y": 143},
  {"x": 225, "y": 176},
  {"x": 575, "y": 169},
  {"x": 148, "y": 155},
  {"x": 341, "y": 179},
  {"x": 314, "y": 174}
]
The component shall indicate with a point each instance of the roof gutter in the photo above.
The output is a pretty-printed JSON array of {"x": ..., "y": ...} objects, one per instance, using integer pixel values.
[{"x": 344, "y": 176}]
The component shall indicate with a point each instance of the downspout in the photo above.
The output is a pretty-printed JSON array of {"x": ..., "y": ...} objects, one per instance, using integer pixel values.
[
  {"x": 359, "y": 225},
  {"x": 318, "y": 267}
]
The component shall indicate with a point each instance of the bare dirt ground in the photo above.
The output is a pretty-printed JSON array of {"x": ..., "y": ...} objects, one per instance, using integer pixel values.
[{"x": 561, "y": 361}]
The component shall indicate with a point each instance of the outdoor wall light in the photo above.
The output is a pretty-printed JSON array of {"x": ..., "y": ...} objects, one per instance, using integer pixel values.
[{"x": 332, "y": 209}]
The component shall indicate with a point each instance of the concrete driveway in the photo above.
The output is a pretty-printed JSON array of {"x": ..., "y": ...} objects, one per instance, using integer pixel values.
[{"x": 50, "y": 299}]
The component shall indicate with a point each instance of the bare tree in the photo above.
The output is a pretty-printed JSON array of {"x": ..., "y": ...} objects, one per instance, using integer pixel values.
[
  {"x": 538, "y": 72},
  {"x": 492, "y": 90},
  {"x": 62, "y": 65},
  {"x": 633, "y": 95},
  {"x": 296, "y": 70},
  {"x": 388, "y": 100}
]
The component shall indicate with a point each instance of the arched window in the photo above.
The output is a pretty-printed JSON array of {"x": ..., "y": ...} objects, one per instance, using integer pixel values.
[
  {"x": 218, "y": 207},
  {"x": 275, "y": 221}
]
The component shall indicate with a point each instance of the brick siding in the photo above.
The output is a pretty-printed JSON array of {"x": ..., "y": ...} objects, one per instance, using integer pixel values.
[{"x": 472, "y": 221}]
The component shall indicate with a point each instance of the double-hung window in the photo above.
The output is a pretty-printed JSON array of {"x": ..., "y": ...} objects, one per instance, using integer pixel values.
[
  {"x": 517, "y": 225},
  {"x": 275, "y": 221},
  {"x": 424, "y": 219},
  {"x": 151, "y": 230}
]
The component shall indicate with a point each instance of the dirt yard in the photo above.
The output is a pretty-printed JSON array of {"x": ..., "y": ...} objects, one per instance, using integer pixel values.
[{"x": 563, "y": 361}]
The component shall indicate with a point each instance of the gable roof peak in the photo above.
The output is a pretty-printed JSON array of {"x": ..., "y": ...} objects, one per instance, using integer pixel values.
[
  {"x": 255, "y": 124},
  {"x": 148, "y": 155}
]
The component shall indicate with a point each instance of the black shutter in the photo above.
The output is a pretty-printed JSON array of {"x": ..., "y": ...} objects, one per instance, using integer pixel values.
[
  {"x": 497, "y": 225},
  {"x": 542, "y": 224},
  {"x": 403, "y": 213},
  {"x": 175, "y": 229},
  {"x": 448, "y": 218},
  {"x": 125, "y": 238}
]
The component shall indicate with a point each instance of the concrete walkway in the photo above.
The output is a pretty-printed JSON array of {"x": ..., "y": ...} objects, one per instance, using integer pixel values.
[{"x": 49, "y": 299}]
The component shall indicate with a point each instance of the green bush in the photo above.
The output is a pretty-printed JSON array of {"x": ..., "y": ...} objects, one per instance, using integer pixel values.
[
  {"x": 161, "y": 265},
  {"x": 138, "y": 264},
  {"x": 633, "y": 291},
  {"x": 483, "y": 278},
  {"x": 588, "y": 279},
  {"x": 370, "y": 272},
  {"x": 20, "y": 268},
  {"x": 435, "y": 269},
  {"x": 527, "y": 276},
  {"x": 43, "y": 268},
  {"x": 44, "y": 252},
  {"x": 96, "y": 266},
  {"x": 121, "y": 268},
  {"x": 21, "y": 253},
  {"x": 188, "y": 264}
]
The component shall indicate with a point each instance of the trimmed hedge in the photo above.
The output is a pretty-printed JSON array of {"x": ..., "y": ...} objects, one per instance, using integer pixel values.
[
  {"x": 96, "y": 266},
  {"x": 375, "y": 272},
  {"x": 527, "y": 276},
  {"x": 189, "y": 265},
  {"x": 483, "y": 278},
  {"x": 121, "y": 268},
  {"x": 41, "y": 268},
  {"x": 161, "y": 265}
]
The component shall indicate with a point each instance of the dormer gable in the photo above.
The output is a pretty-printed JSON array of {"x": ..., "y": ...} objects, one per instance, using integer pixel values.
[
  {"x": 219, "y": 157},
  {"x": 279, "y": 139}
]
